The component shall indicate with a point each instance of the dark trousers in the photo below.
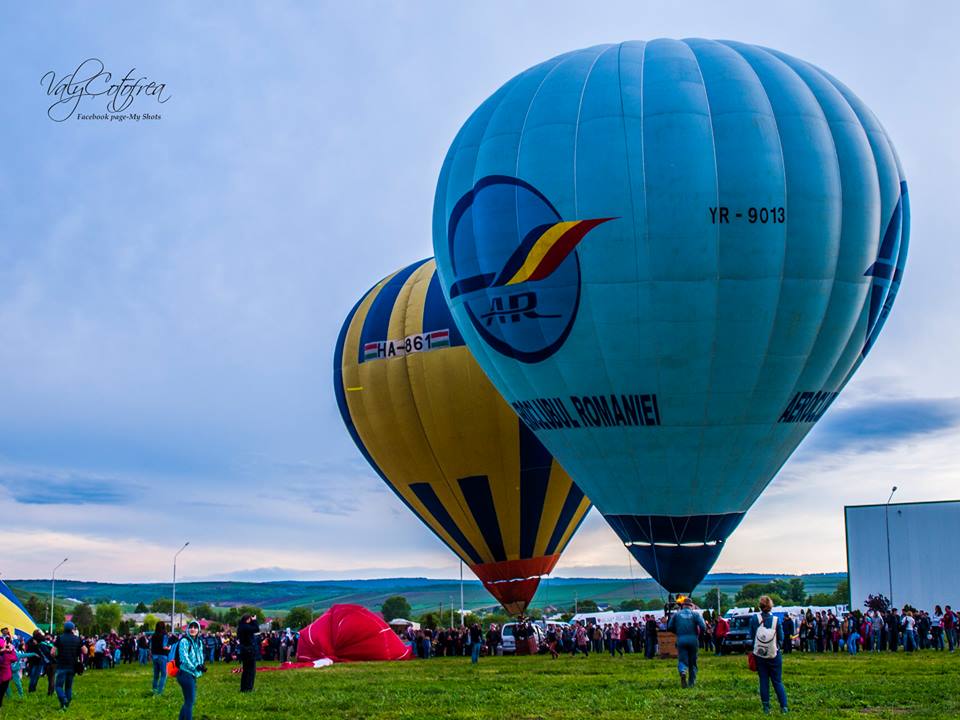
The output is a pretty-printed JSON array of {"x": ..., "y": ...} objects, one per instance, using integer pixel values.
[
  {"x": 35, "y": 672},
  {"x": 64, "y": 685},
  {"x": 188, "y": 684},
  {"x": 249, "y": 659},
  {"x": 3, "y": 690},
  {"x": 770, "y": 670},
  {"x": 159, "y": 673},
  {"x": 650, "y": 646}
]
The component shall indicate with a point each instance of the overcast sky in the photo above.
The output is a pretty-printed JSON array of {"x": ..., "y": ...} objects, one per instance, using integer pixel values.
[{"x": 171, "y": 290}]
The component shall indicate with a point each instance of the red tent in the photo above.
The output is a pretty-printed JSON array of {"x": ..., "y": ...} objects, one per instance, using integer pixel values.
[{"x": 347, "y": 633}]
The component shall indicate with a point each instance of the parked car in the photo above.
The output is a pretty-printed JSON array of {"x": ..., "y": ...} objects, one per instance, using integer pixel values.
[
  {"x": 508, "y": 640},
  {"x": 738, "y": 639}
]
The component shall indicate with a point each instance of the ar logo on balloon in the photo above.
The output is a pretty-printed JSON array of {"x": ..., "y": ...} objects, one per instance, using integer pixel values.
[{"x": 516, "y": 269}]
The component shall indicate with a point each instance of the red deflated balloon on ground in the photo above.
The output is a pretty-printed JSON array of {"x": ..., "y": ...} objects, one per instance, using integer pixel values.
[{"x": 350, "y": 633}]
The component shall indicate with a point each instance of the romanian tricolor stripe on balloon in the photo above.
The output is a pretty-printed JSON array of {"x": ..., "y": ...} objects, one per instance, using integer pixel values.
[
  {"x": 544, "y": 249},
  {"x": 13, "y": 615},
  {"x": 427, "y": 419}
]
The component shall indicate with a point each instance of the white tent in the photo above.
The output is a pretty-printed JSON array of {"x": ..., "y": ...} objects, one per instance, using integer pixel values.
[{"x": 401, "y": 622}]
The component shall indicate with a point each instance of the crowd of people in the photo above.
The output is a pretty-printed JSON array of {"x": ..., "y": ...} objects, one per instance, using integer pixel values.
[
  {"x": 810, "y": 631},
  {"x": 59, "y": 659}
]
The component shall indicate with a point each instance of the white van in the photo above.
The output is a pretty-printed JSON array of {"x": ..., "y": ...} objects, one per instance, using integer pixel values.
[{"x": 509, "y": 642}]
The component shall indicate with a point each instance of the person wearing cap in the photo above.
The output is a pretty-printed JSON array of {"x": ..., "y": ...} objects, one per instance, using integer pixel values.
[
  {"x": 687, "y": 625},
  {"x": 190, "y": 653},
  {"x": 69, "y": 650}
]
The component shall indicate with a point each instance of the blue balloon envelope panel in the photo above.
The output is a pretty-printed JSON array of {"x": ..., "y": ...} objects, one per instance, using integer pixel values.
[{"x": 669, "y": 257}]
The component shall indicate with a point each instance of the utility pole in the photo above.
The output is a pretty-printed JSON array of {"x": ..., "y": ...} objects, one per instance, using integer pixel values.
[
  {"x": 53, "y": 582},
  {"x": 461, "y": 593},
  {"x": 889, "y": 562},
  {"x": 173, "y": 606}
]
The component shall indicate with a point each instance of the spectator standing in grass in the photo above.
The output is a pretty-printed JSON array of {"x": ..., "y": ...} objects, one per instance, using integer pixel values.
[
  {"x": 853, "y": 636},
  {"x": 190, "y": 653},
  {"x": 650, "y": 630},
  {"x": 160, "y": 649},
  {"x": 8, "y": 656},
  {"x": 582, "y": 641},
  {"x": 69, "y": 651},
  {"x": 893, "y": 630},
  {"x": 552, "y": 640},
  {"x": 247, "y": 632},
  {"x": 789, "y": 628},
  {"x": 143, "y": 648},
  {"x": 17, "y": 668},
  {"x": 720, "y": 630},
  {"x": 35, "y": 663},
  {"x": 476, "y": 642},
  {"x": 493, "y": 639},
  {"x": 908, "y": 624},
  {"x": 766, "y": 634},
  {"x": 687, "y": 626},
  {"x": 936, "y": 628},
  {"x": 950, "y": 627}
]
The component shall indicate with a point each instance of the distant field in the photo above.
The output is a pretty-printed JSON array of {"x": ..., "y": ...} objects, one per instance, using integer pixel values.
[
  {"x": 924, "y": 685},
  {"x": 423, "y": 594}
]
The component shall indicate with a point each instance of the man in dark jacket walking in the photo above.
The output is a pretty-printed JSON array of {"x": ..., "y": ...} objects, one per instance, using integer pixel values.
[{"x": 68, "y": 649}]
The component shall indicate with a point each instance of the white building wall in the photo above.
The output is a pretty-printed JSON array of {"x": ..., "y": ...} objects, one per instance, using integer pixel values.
[{"x": 924, "y": 542}]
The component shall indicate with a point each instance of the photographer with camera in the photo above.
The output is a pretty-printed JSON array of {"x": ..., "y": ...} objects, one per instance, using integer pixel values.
[{"x": 189, "y": 657}]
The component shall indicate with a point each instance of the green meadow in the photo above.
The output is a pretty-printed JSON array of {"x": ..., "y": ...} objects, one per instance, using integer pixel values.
[{"x": 922, "y": 685}]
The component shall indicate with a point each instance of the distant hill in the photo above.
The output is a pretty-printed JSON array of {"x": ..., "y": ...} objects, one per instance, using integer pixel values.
[{"x": 424, "y": 594}]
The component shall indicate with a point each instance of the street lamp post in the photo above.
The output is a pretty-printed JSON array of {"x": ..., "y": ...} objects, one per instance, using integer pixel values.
[
  {"x": 889, "y": 563},
  {"x": 461, "y": 593},
  {"x": 173, "y": 606},
  {"x": 53, "y": 584}
]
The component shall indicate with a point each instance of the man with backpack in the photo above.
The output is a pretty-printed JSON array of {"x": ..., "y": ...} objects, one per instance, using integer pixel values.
[{"x": 767, "y": 636}]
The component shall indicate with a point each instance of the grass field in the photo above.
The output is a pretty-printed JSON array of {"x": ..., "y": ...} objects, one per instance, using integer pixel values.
[{"x": 924, "y": 685}]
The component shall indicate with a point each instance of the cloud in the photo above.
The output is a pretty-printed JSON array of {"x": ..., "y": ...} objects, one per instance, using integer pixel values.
[
  {"x": 877, "y": 425},
  {"x": 38, "y": 488},
  {"x": 336, "y": 488}
]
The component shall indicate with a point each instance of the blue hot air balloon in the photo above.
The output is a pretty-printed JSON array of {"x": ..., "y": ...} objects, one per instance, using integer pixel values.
[{"x": 669, "y": 257}]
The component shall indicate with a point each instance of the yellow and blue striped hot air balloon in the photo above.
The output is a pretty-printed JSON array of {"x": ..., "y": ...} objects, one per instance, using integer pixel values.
[
  {"x": 13, "y": 615},
  {"x": 429, "y": 422}
]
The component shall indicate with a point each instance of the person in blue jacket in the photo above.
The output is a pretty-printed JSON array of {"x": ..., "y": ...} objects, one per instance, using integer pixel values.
[
  {"x": 687, "y": 625},
  {"x": 189, "y": 651},
  {"x": 766, "y": 649}
]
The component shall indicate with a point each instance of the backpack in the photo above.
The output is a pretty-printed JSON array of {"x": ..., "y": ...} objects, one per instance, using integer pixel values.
[
  {"x": 173, "y": 665},
  {"x": 765, "y": 643}
]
